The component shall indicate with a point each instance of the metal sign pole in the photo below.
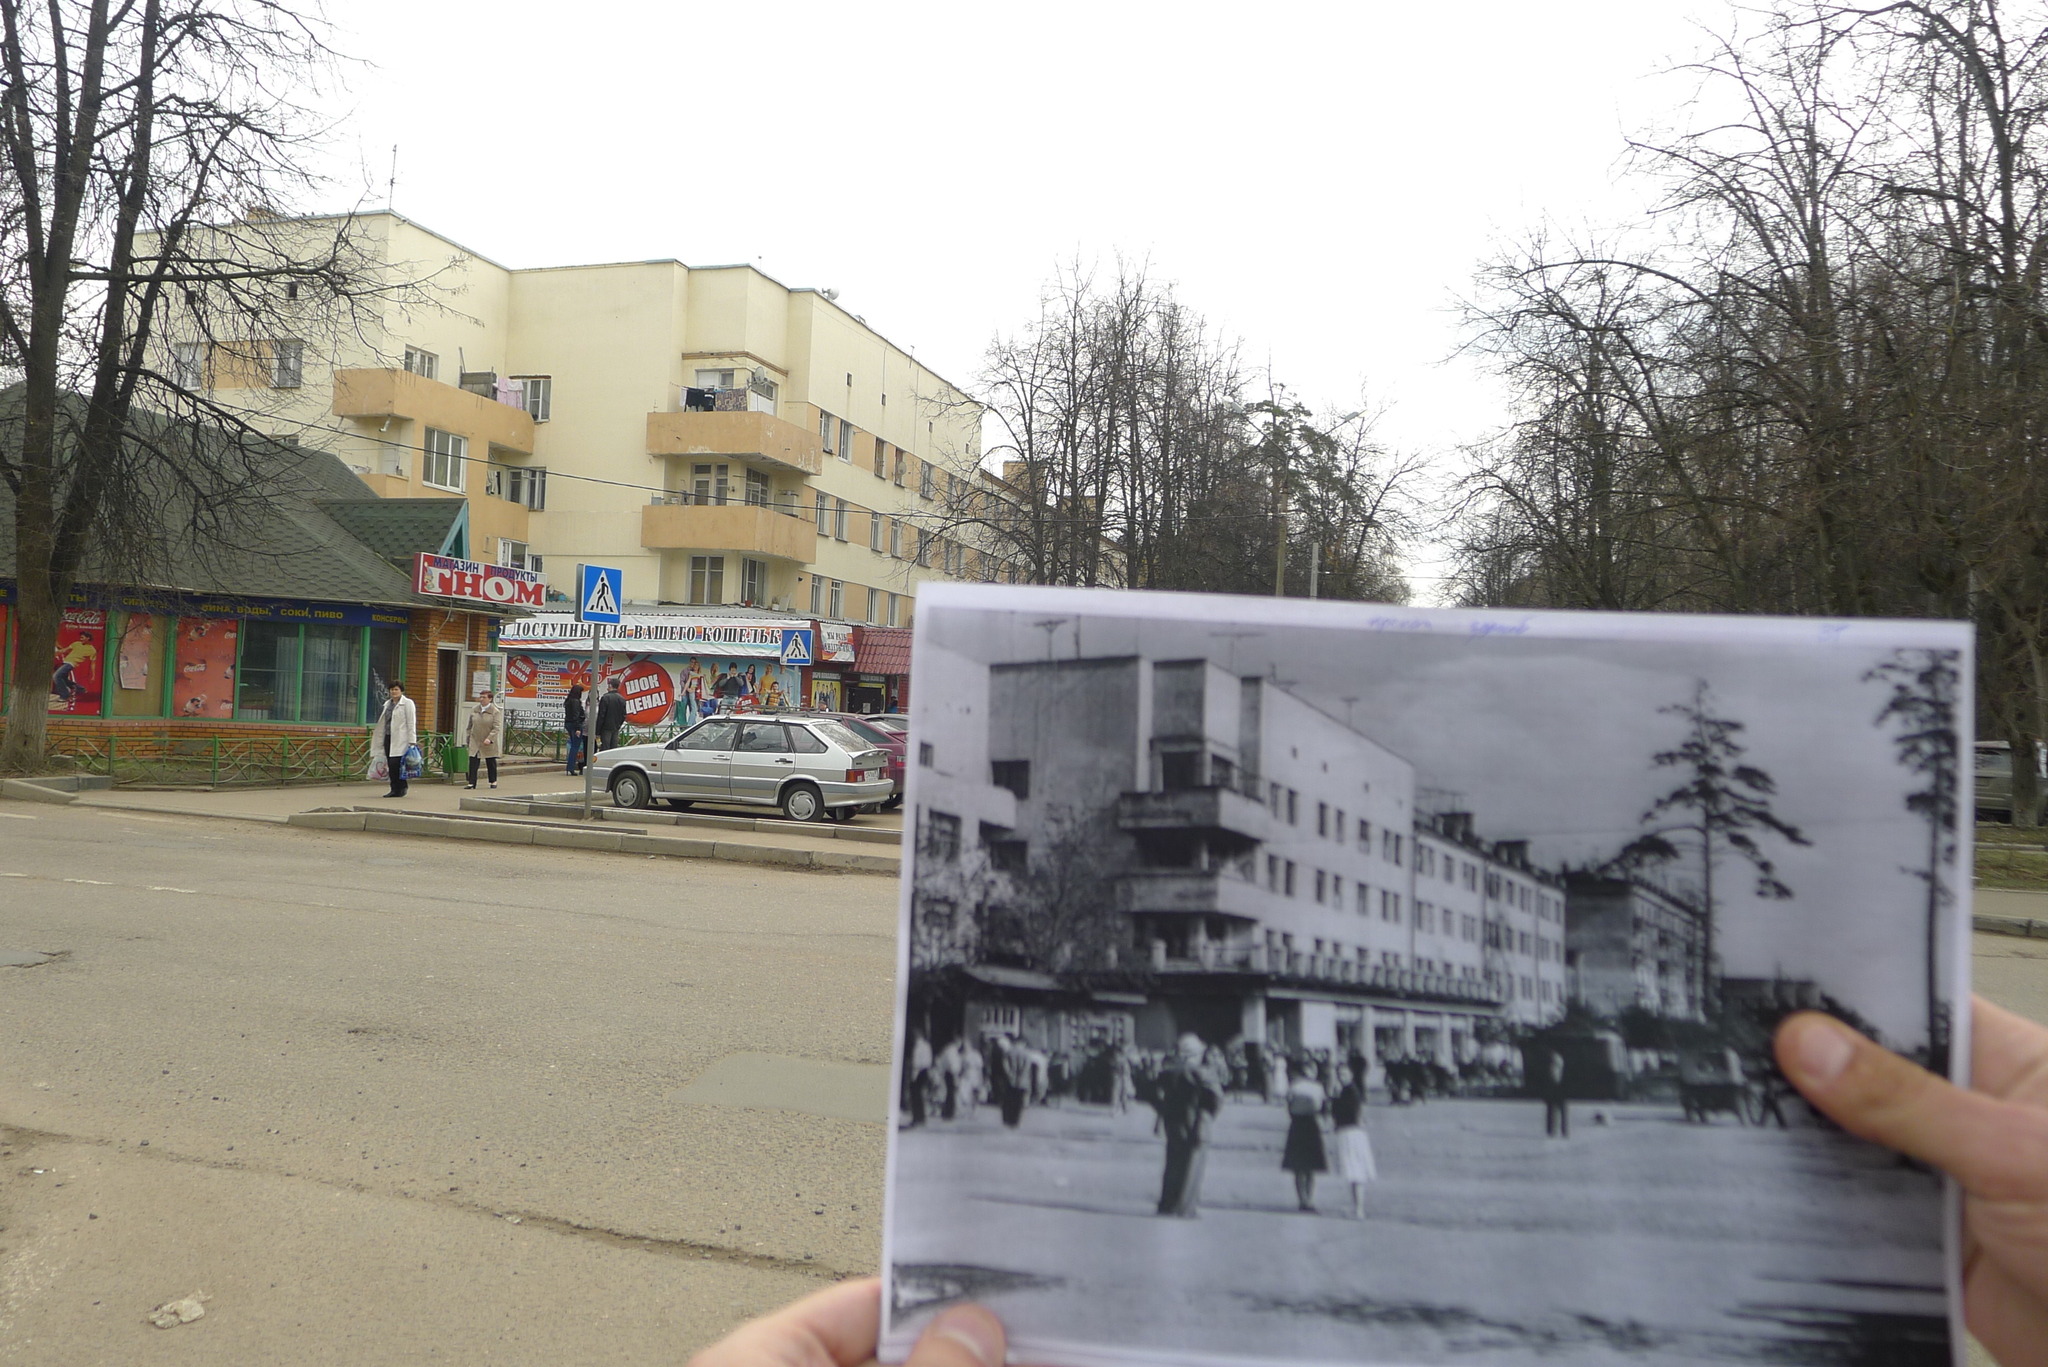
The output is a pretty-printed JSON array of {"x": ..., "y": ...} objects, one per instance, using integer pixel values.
[{"x": 590, "y": 718}]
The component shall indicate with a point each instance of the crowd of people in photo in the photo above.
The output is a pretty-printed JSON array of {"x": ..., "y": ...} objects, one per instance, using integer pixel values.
[{"x": 1186, "y": 1087}]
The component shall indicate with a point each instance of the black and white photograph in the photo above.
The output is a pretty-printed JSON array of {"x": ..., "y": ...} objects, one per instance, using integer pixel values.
[{"x": 1286, "y": 981}]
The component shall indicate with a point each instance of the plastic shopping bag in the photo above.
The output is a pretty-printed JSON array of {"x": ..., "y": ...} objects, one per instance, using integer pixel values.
[
  {"x": 415, "y": 762},
  {"x": 379, "y": 769}
]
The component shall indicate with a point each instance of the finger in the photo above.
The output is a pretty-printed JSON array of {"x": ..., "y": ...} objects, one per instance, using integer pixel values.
[
  {"x": 2007, "y": 1316},
  {"x": 2006, "y": 1051},
  {"x": 836, "y": 1327},
  {"x": 963, "y": 1336},
  {"x": 1996, "y": 1149}
]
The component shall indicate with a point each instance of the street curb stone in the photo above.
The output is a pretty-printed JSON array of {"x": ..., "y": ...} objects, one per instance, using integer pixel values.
[
  {"x": 557, "y": 837},
  {"x": 34, "y": 790},
  {"x": 329, "y": 821},
  {"x": 2010, "y": 925}
]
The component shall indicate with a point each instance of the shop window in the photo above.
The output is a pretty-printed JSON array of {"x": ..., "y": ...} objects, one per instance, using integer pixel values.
[
  {"x": 330, "y": 687},
  {"x": 135, "y": 674},
  {"x": 387, "y": 662},
  {"x": 267, "y": 685}
]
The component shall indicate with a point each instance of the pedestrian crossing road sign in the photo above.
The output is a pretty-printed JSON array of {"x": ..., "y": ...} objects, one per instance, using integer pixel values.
[
  {"x": 599, "y": 589},
  {"x": 796, "y": 647}
]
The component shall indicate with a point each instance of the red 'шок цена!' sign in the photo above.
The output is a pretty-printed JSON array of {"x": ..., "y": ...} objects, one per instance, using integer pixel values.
[{"x": 442, "y": 576}]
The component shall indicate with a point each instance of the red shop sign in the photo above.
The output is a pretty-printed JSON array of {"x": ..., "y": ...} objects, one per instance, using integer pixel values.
[
  {"x": 441, "y": 576},
  {"x": 649, "y": 692}
]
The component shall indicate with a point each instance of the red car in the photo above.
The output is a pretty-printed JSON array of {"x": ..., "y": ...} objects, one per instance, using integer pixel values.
[{"x": 894, "y": 743}]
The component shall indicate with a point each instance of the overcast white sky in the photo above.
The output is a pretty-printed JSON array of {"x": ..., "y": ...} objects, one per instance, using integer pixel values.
[{"x": 1319, "y": 179}]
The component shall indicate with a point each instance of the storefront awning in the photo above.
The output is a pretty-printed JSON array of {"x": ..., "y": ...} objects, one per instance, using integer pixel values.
[{"x": 882, "y": 650}]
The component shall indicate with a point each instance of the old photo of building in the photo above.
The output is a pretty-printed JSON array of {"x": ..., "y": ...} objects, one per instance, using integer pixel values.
[{"x": 1300, "y": 982}]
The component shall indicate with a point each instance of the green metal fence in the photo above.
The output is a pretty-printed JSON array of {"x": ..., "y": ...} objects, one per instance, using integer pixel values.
[{"x": 169, "y": 760}]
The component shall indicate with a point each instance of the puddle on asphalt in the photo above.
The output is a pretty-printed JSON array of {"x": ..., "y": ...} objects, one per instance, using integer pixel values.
[
  {"x": 777, "y": 1082},
  {"x": 23, "y": 958}
]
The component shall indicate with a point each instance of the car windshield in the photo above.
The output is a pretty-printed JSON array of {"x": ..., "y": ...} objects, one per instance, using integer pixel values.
[
  {"x": 840, "y": 734},
  {"x": 1994, "y": 762},
  {"x": 900, "y": 725}
]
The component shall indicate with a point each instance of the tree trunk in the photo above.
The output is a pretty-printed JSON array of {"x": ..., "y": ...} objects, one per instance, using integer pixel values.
[{"x": 25, "y": 745}]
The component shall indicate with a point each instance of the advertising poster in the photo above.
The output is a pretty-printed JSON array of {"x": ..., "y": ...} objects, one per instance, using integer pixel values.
[
  {"x": 78, "y": 679},
  {"x": 658, "y": 689},
  {"x": 205, "y": 681},
  {"x": 138, "y": 648}
]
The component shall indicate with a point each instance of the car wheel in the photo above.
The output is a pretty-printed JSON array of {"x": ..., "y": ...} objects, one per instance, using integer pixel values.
[
  {"x": 680, "y": 804},
  {"x": 629, "y": 789},
  {"x": 802, "y": 802}
]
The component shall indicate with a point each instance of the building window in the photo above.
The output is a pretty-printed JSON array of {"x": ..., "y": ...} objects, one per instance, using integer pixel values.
[
  {"x": 817, "y": 595},
  {"x": 892, "y": 609},
  {"x": 441, "y": 465},
  {"x": 525, "y": 485},
  {"x": 1338, "y": 826},
  {"x": 287, "y": 361},
  {"x": 1322, "y": 820},
  {"x": 924, "y": 547},
  {"x": 424, "y": 364},
  {"x": 1293, "y": 807},
  {"x": 188, "y": 364},
  {"x": 1288, "y": 878},
  {"x": 825, "y": 431},
  {"x": 715, "y": 379},
  {"x": 924, "y": 479},
  {"x": 924, "y": 754},
  {"x": 753, "y": 581},
  {"x": 942, "y": 836},
  {"x": 1365, "y": 835},
  {"x": 540, "y": 396},
  {"x": 839, "y": 521},
  {"x": 1013, "y": 774},
  {"x": 896, "y": 539},
  {"x": 845, "y": 441},
  {"x": 513, "y": 553},
  {"x": 757, "y": 489},
  {"x": 874, "y": 607},
  {"x": 835, "y": 605},
  {"x": 900, "y": 459},
  {"x": 875, "y": 531},
  {"x": 824, "y": 514},
  {"x": 1322, "y": 886},
  {"x": 881, "y": 459},
  {"x": 707, "y": 579},
  {"x": 710, "y": 484},
  {"x": 1364, "y": 899}
]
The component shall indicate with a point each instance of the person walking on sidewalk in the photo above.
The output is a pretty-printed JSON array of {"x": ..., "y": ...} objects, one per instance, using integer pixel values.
[
  {"x": 1354, "y": 1148},
  {"x": 1303, "y": 1153},
  {"x": 574, "y": 721},
  {"x": 611, "y": 715},
  {"x": 396, "y": 731},
  {"x": 1557, "y": 1105},
  {"x": 486, "y": 737},
  {"x": 1188, "y": 1101}
]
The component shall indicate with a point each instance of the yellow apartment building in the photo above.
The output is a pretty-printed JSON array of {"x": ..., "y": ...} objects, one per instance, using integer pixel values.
[{"x": 725, "y": 438}]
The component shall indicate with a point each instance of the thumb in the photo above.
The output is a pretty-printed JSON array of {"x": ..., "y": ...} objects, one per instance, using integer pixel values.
[
  {"x": 964, "y": 1336},
  {"x": 1995, "y": 1148}
]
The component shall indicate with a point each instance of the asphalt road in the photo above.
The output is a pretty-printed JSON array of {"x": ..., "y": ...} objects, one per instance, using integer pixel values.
[{"x": 394, "y": 1100}]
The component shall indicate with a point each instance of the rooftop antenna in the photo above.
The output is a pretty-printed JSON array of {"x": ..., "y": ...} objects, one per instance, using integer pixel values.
[{"x": 391, "y": 185}]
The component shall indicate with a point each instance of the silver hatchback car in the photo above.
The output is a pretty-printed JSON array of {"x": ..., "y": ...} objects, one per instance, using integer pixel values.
[{"x": 811, "y": 767}]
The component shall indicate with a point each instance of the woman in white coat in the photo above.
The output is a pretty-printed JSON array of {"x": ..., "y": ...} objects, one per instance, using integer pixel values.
[
  {"x": 486, "y": 737},
  {"x": 397, "y": 730}
]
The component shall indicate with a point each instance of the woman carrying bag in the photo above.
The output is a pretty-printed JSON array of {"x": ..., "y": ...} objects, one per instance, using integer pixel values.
[
  {"x": 485, "y": 736},
  {"x": 394, "y": 736},
  {"x": 1303, "y": 1154}
]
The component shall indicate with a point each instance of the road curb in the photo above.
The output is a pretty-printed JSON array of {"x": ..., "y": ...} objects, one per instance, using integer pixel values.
[
  {"x": 2021, "y": 926},
  {"x": 604, "y": 811},
  {"x": 506, "y": 830}
]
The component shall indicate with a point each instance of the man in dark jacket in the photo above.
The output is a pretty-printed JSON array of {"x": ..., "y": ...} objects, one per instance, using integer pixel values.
[
  {"x": 1189, "y": 1098},
  {"x": 573, "y": 721},
  {"x": 611, "y": 715}
]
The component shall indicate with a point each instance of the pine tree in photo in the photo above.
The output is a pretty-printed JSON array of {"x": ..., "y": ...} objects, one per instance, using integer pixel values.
[
  {"x": 1722, "y": 805},
  {"x": 1922, "y": 707}
]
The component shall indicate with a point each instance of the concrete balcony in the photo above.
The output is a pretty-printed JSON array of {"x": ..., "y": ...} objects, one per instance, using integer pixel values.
[
  {"x": 745, "y": 436},
  {"x": 1193, "y": 809},
  {"x": 373, "y": 395},
  {"x": 741, "y": 528},
  {"x": 1191, "y": 891}
]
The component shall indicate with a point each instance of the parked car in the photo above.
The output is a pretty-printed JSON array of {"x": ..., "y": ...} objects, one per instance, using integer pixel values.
[
  {"x": 868, "y": 729},
  {"x": 890, "y": 721},
  {"x": 1994, "y": 778},
  {"x": 811, "y": 767}
]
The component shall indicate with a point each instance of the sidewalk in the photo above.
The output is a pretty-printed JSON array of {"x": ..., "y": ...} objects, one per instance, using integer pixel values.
[{"x": 433, "y": 808}]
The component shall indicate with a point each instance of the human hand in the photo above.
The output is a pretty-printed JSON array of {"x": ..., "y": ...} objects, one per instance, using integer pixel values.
[
  {"x": 1993, "y": 1139},
  {"x": 840, "y": 1327}
]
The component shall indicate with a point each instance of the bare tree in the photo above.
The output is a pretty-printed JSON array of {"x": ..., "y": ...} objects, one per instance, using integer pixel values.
[{"x": 144, "y": 144}]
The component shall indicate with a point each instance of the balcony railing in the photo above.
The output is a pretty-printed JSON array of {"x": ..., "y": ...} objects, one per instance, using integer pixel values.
[
  {"x": 755, "y": 436},
  {"x": 1193, "y": 809},
  {"x": 743, "y": 528},
  {"x": 1324, "y": 969},
  {"x": 1200, "y": 891}
]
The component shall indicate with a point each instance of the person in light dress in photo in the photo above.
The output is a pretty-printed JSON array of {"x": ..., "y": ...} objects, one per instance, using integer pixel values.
[{"x": 1354, "y": 1148}]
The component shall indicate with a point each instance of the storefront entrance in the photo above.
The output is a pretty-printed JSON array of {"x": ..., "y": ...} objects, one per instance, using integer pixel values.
[{"x": 447, "y": 688}]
